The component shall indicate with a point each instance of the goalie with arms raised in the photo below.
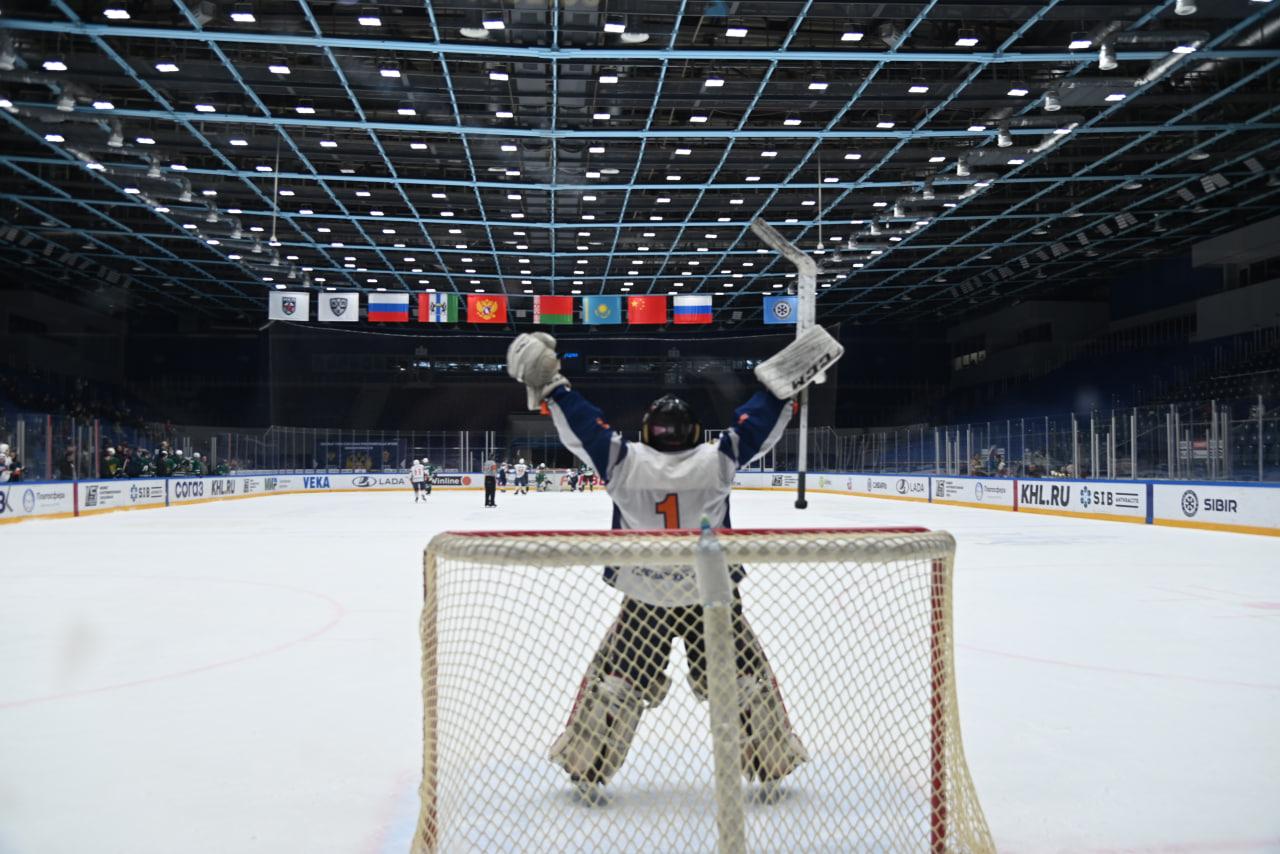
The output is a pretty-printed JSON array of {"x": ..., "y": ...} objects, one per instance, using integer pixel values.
[{"x": 669, "y": 480}]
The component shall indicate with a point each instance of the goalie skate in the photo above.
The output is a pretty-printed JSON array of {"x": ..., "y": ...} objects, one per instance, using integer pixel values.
[
  {"x": 770, "y": 749},
  {"x": 601, "y": 727}
]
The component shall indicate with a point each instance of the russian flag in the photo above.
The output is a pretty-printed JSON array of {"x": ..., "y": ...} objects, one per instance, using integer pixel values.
[
  {"x": 389, "y": 308},
  {"x": 694, "y": 308}
]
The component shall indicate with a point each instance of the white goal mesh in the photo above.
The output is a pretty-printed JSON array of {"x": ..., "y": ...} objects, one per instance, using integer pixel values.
[{"x": 854, "y": 624}]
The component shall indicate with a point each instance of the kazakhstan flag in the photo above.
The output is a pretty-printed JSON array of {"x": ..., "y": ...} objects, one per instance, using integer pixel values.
[{"x": 601, "y": 310}]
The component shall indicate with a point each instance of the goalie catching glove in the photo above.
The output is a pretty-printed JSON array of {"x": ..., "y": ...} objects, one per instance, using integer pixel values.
[
  {"x": 801, "y": 362},
  {"x": 531, "y": 359}
]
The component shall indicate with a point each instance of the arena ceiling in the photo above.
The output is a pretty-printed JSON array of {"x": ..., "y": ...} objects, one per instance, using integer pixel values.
[{"x": 938, "y": 156}]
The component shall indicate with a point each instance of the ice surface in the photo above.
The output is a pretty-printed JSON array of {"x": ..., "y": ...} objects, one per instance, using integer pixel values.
[{"x": 243, "y": 676}]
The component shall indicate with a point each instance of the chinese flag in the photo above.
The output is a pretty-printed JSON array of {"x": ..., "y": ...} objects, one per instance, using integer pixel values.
[
  {"x": 647, "y": 309},
  {"x": 486, "y": 308}
]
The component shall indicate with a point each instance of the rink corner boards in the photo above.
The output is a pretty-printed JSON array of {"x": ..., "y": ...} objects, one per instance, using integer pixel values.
[{"x": 1216, "y": 506}]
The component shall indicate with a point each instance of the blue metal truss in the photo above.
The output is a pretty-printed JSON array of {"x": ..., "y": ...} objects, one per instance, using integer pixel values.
[{"x": 1022, "y": 215}]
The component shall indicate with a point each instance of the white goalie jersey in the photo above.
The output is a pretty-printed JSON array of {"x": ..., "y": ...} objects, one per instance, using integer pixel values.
[{"x": 666, "y": 489}]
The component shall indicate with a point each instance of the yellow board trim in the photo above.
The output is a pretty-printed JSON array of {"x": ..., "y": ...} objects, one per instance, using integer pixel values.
[
  {"x": 979, "y": 505},
  {"x": 1104, "y": 517},
  {"x": 15, "y": 519},
  {"x": 1218, "y": 526},
  {"x": 832, "y": 492}
]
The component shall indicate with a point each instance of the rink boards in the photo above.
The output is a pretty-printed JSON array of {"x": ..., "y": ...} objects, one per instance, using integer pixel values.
[{"x": 1234, "y": 507}]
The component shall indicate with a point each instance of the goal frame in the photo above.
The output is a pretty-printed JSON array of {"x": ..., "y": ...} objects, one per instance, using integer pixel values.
[{"x": 427, "y": 833}]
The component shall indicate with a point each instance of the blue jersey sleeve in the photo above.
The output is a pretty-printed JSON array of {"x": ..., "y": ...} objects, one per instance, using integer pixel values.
[
  {"x": 584, "y": 431},
  {"x": 757, "y": 426}
]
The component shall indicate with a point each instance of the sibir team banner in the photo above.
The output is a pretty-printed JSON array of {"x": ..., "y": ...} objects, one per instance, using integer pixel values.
[
  {"x": 437, "y": 308},
  {"x": 484, "y": 308},
  {"x": 694, "y": 308},
  {"x": 781, "y": 309},
  {"x": 602, "y": 310},
  {"x": 648, "y": 310},
  {"x": 552, "y": 310},
  {"x": 339, "y": 308},
  {"x": 289, "y": 305},
  {"x": 389, "y": 308}
]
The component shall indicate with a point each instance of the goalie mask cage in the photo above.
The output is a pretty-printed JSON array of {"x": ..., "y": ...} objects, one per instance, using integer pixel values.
[{"x": 855, "y": 623}]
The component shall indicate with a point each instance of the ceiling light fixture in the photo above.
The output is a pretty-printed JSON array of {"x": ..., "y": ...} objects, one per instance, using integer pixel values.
[
  {"x": 390, "y": 71},
  {"x": 1107, "y": 57},
  {"x": 967, "y": 38},
  {"x": 609, "y": 77},
  {"x": 615, "y": 25},
  {"x": 368, "y": 17},
  {"x": 1184, "y": 7},
  {"x": 1080, "y": 41},
  {"x": 1004, "y": 139},
  {"x": 242, "y": 13},
  {"x": 1052, "y": 103},
  {"x": 852, "y": 36},
  {"x": 736, "y": 32},
  {"x": 1018, "y": 92},
  {"x": 279, "y": 67},
  {"x": 715, "y": 81},
  {"x": 115, "y": 12},
  {"x": 55, "y": 64}
]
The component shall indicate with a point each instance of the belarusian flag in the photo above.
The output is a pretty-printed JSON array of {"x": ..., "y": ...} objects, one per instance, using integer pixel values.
[
  {"x": 437, "y": 308},
  {"x": 553, "y": 309}
]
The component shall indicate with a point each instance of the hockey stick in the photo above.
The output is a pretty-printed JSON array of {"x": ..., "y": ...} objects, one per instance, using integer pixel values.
[{"x": 807, "y": 291}]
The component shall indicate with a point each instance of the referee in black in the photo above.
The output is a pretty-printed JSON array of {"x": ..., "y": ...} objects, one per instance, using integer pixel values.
[{"x": 490, "y": 471}]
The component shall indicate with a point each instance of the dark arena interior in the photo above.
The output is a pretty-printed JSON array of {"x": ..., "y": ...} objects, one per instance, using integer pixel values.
[{"x": 293, "y": 239}]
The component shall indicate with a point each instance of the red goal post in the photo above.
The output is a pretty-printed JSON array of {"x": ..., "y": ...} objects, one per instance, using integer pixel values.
[{"x": 857, "y": 624}]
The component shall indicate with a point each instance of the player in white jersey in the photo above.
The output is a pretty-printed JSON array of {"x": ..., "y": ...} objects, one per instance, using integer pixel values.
[
  {"x": 669, "y": 480},
  {"x": 522, "y": 477},
  {"x": 418, "y": 477}
]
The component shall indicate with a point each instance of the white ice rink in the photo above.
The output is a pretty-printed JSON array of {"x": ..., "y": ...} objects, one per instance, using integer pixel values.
[{"x": 244, "y": 676}]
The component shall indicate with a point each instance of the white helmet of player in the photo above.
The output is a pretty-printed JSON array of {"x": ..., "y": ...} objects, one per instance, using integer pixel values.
[
  {"x": 195, "y": 454},
  {"x": 417, "y": 462},
  {"x": 426, "y": 460},
  {"x": 110, "y": 451},
  {"x": 4, "y": 448},
  {"x": 522, "y": 461},
  {"x": 178, "y": 453}
]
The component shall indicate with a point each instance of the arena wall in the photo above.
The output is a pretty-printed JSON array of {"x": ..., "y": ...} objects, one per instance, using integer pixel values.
[{"x": 1243, "y": 508}]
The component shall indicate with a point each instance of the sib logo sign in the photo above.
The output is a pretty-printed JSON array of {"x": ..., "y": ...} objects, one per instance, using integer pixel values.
[{"x": 1190, "y": 503}]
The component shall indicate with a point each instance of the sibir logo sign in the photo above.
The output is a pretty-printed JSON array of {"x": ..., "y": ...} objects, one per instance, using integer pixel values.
[
  {"x": 1192, "y": 504},
  {"x": 29, "y": 500}
]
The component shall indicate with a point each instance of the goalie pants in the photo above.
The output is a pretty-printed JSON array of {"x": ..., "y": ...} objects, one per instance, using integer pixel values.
[{"x": 638, "y": 646}]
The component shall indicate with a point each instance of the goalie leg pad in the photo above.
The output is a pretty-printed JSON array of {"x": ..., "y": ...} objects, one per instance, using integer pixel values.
[
  {"x": 789, "y": 371},
  {"x": 770, "y": 748},
  {"x": 595, "y": 743}
]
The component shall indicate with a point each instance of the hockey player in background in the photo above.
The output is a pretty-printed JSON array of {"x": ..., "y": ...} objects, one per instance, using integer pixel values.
[
  {"x": 522, "y": 478},
  {"x": 502, "y": 476},
  {"x": 430, "y": 475},
  {"x": 670, "y": 479},
  {"x": 540, "y": 480},
  {"x": 418, "y": 477}
]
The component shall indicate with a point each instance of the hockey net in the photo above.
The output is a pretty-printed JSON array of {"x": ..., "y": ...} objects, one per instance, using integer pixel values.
[{"x": 857, "y": 630}]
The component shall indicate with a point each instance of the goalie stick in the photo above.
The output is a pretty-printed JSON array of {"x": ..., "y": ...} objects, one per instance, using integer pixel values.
[{"x": 807, "y": 291}]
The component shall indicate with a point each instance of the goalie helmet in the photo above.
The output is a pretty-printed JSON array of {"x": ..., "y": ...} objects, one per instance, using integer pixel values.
[{"x": 669, "y": 425}]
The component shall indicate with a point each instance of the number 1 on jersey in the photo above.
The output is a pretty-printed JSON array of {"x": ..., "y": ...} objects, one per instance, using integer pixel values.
[{"x": 669, "y": 509}]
